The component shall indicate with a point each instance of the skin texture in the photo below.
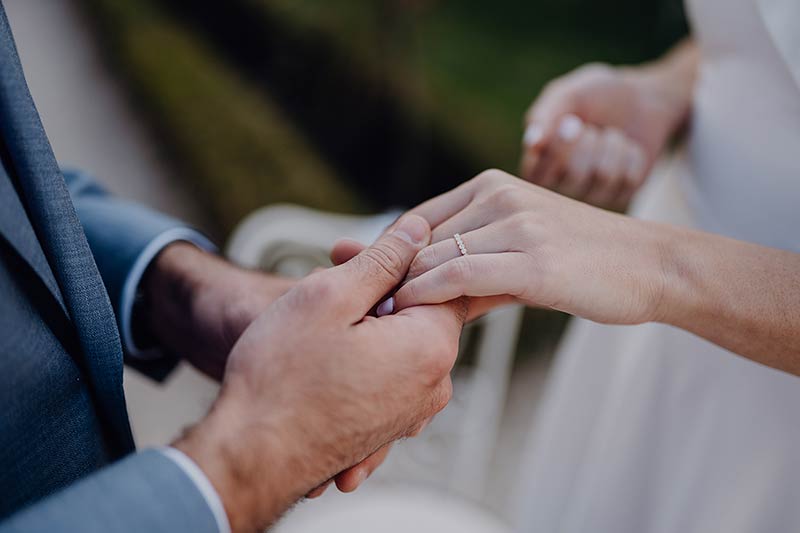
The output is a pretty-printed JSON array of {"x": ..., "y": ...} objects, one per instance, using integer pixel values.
[
  {"x": 595, "y": 133},
  {"x": 548, "y": 250},
  {"x": 313, "y": 385},
  {"x": 199, "y": 305}
]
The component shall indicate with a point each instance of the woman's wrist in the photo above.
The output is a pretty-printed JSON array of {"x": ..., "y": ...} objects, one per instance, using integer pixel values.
[
  {"x": 666, "y": 86},
  {"x": 682, "y": 296}
]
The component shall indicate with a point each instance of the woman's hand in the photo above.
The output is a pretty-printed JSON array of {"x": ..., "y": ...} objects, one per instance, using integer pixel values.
[
  {"x": 539, "y": 247},
  {"x": 595, "y": 133}
]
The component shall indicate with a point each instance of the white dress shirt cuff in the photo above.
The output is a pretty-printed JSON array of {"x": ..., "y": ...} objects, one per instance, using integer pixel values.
[
  {"x": 203, "y": 485},
  {"x": 131, "y": 285}
]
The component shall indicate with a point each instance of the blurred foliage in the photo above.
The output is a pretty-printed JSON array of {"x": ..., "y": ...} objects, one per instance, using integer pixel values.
[
  {"x": 237, "y": 148},
  {"x": 473, "y": 67},
  {"x": 356, "y": 104}
]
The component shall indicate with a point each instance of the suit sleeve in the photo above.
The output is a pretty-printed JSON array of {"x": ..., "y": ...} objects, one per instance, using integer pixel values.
[
  {"x": 125, "y": 237},
  {"x": 143, "y": 492}
]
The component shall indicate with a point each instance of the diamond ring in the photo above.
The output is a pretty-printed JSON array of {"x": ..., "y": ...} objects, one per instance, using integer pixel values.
[{"x": 460, "y": 243}]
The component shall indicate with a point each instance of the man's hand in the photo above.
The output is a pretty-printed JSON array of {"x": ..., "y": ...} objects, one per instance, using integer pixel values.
[
  {"x": 315, "y": 385},
  {"x": 199, "y": 304}
]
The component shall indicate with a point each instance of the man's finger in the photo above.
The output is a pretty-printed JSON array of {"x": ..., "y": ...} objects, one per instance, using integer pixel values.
[
  {"x": 319, "y": 491},
  {"x": 378, "y": 269},
  {"x": 353, "y": 477}
]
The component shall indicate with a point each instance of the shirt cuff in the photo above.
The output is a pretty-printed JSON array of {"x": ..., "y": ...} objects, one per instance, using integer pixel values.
[
  {"x": 131, "y": 285},
  {"x": 203, "y": 485}
]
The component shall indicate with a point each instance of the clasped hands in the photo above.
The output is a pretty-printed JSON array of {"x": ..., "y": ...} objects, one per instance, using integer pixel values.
[{"x": 313, "y": 383}]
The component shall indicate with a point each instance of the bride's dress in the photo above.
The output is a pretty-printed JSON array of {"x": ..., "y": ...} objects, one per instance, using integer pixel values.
[{"x": 649, "y": 428}]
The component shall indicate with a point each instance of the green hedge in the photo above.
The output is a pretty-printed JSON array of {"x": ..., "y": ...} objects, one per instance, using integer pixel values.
[
  {"x": 472, "y": 67},
  {"x": 230, "y": 143}
]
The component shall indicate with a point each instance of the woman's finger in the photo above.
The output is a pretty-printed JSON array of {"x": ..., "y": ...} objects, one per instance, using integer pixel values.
[
  {"x": 531, "y": 157},
  {"x": 440, "y": 208},
  {"x": 578, "y": 175},
  {"x": 480, "y": 306},
  {"x": 610, "y": 168},
  {"x": 635, "y": 173},
  {"x": 471, "y": 275},
  {"x": 476, "y": 215},
  {"x": 557, "y": 154},
  {"x": 484, "y": 240},
  {"x": 344, "y": 250}
]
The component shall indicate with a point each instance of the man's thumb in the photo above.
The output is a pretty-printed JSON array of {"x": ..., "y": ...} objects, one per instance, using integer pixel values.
[{"x": 374, "y": 272}]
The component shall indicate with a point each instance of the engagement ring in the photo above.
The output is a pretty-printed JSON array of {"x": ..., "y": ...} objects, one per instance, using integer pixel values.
[{"x": 460, "y": 243}]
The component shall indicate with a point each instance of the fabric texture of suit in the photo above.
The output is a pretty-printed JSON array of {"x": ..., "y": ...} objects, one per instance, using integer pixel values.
[{"x": 67, "y": 459}]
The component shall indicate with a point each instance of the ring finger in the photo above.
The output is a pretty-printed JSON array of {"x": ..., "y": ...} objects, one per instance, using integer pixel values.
[{"x": 484, "y": 240}]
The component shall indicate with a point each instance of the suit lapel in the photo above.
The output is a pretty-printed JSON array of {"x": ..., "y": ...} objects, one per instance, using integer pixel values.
[
  {"x": 53, "y": 217},
  {"x": 16, "y": 228},
  {"x": 782, "y": 19}
]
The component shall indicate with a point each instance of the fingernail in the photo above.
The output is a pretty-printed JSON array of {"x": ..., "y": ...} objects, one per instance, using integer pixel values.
[
  {"x": 533, "y": 134},
  {"x": 570, "y": 127},
  {"x": 412, "y": 229},
  {"x": 386, "y": 307},
  {"x": 362, "y": 476}
]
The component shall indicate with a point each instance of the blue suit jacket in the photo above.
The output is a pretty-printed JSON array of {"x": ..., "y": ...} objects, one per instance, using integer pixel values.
[{"x": 67, "y": 460}]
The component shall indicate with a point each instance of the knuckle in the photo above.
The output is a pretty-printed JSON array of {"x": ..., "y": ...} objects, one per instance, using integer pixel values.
[
  {"x": 443, "y": 395},
  {"x": 438, "y": 359},
  {"x": 490, "y": 177},
  {"x": 314, "y": 289},
  {"x": 506, "y": 197},
  {"x": 527, "y": 227},
  {"x": 386, "y": 259},
  {"x": 425, "y": 260},
  {"x": 458, "y": 272},
  {"x": 594, "y": 69}
]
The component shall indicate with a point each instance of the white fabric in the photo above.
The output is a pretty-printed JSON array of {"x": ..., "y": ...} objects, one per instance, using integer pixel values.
[
  {"x": 651, "y": 429},
  {"x": 131, "y": 286},
  {"x": 389, "y": 509},
  {"x": 202, "y": 483}
]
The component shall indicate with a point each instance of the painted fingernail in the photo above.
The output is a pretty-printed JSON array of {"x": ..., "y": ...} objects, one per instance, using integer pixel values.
[
  {"x": 411, "y": 229},
  {"x": 533, "y": 134},
  {"x": 570, "y": 127},
  {"x": 386, "y": 307}
]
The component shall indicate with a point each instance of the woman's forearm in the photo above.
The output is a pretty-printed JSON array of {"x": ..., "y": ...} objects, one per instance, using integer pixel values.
[
  {"x": 670, "y": 81},
  {"x": 741, "y": 296}
]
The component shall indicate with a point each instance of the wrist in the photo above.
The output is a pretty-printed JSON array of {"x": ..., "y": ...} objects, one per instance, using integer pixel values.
[
  {"x": 256, "y": 469},
  {"x": 177, "y": 271},
  {"x": 170, "y": 286},
  {"x": 666, "y": 86},
  {"x": 680, "y": 295}
]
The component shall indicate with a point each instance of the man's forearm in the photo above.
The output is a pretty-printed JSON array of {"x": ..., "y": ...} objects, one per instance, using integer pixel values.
[{"x": 741, "y": 296}]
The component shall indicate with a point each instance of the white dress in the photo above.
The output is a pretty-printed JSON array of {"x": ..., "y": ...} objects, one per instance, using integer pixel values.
[{"x": 649, "y": 428}]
